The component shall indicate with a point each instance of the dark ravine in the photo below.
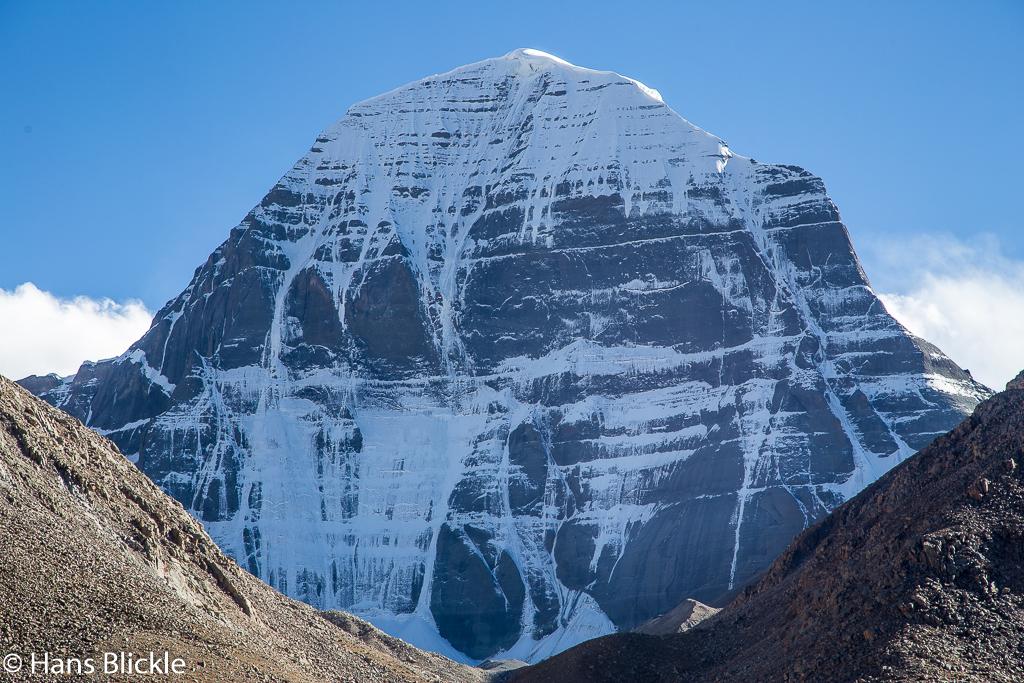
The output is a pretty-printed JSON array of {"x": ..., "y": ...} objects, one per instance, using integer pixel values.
[
  {"x": 94, "y": 558},
  {"x": 920, "y": 577},
  {"x": 516, "y": 356}
]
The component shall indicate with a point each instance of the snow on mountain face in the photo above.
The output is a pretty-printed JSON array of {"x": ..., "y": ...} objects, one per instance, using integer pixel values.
[{"x": 516, "y": 356}]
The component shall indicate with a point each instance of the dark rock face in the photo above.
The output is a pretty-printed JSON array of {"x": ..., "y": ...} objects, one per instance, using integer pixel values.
[
  {"x": 517, "y": 346},
  {"x": 477, "y": 594},
  {"x": 918, "y": 578},
  {"x": 41, "y": 384}
]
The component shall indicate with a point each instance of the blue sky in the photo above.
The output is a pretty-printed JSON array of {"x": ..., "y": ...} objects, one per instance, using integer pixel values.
[{"x": 135, "y": 135}]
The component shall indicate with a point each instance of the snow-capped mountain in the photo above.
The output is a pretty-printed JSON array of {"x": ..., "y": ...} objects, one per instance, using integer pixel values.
[{"x": 515, "y": 356}]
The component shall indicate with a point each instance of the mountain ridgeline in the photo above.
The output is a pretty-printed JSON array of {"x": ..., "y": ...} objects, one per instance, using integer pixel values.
[{"x": 514, "y": 357}]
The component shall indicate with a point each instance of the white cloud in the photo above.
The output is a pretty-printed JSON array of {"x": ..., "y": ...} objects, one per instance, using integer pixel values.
[
  {"x": 40, "y": 333},
  {"x": 967, "y": 299}
]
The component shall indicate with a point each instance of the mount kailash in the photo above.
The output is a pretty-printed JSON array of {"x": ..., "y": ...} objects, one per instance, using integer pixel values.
[{"x": 516, "y": 356}]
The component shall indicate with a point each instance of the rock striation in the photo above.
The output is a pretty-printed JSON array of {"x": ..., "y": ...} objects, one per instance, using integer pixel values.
[
  {"x": 516, "y": 356},
  {"x": 918, "y": 578}
]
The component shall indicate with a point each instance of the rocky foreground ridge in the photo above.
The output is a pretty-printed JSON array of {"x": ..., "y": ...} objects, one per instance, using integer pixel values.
[
  {"x": 94, "y": 558},
  {"x": 918, "y": 578}
]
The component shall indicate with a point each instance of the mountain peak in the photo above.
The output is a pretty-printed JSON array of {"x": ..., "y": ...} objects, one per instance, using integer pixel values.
[
  {"x": 523, "y": 63},
  {"x": 540, "y": 60},
  {"x": 533, "y": 54},
  {"x": 527, "y": 114},
  {"x": 504, "y": 335}
]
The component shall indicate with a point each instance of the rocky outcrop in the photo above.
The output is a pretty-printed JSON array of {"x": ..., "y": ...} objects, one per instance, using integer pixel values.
[
  {"x": 97, "y": 559},
  {"x": 516, "y": 356},
  {"x": 918, "y": 578},
  {"x": 680, "y": 619}
]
